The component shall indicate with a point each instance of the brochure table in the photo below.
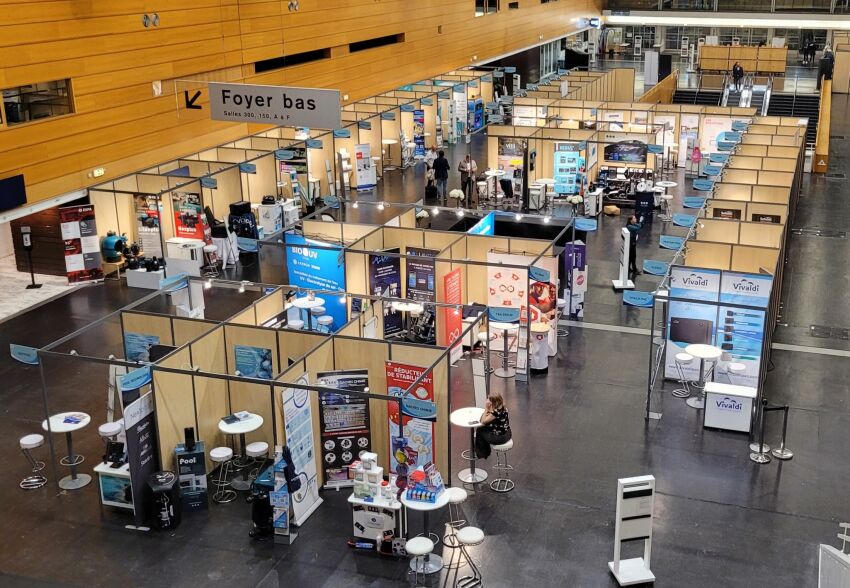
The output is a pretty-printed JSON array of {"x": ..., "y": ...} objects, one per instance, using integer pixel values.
[
  {"x": 57, "y": 424},
  {"x": 306, "y": 303},
  {"x": 469, "y": 418},
  {"x": 432, "y": 563},
  {"x": 703, "y": 353},
  {"x": 505, "y": 371},
  {"x": 246, "y": 425}
]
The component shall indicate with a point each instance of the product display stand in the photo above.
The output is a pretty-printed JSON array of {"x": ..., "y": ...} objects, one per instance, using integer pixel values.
[{"x": 635, "y": 504}]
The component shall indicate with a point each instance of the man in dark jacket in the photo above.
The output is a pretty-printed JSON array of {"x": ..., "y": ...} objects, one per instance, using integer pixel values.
[
  {"x": 634, "y": 227},
  {"x": 441, "y": 174},
  {"x": 737, "y": 75}
]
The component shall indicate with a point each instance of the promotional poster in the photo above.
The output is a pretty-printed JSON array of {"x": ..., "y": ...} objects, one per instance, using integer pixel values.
[
  {"x": 366, "y": 173},
  {"x": 189, "y": 219},
  {"x": 140, "y": 430},
  {"x": 317, "y": 269},
  {"x": 253, "y": 362},
  {"x": 385, "y": 280},
  {"x": 486, "y": 226},
  {"x": 298, "y": 424},
  {"x": 344, "y": 424},
  {"x": 137, "y": 346},
  {"x": 419, "y": 134},
  {"x": 421, "y": 273},
  {"x": 507, "y": 287},
  {"x": 452, "y": 319},
  {"x": 569, "y": 169},
  {"x": 82, "y": 245},
  {"x": 416, "y": 445}
]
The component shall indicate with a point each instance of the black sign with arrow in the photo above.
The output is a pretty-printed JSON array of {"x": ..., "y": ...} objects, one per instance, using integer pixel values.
[{"x": 190, "y": 102}]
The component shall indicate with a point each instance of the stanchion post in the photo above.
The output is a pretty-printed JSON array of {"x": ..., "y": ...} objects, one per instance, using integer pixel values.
[
  {"x": 760, "y": 455},
  {"x": 783, "y": 452}
]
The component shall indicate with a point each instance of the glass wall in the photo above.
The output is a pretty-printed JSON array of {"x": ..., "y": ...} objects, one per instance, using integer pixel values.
[{"x": 801, "y": 6}]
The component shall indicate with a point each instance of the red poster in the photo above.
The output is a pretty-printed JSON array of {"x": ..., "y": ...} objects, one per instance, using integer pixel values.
[
  {"x": 81, "y": 243},
  {"x": 189, "y": 220},
  {"x": 452, "y": 319},
  {"x": 415, "y": 446}
]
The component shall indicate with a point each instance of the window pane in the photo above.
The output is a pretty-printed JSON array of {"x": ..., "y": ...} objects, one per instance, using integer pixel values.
[{"x": 36, "y": 101}]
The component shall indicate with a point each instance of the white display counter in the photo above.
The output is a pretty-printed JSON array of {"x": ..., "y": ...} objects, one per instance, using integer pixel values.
[
  {"x": 139, "y": 278},
  {"x": 728, "y": 407}
]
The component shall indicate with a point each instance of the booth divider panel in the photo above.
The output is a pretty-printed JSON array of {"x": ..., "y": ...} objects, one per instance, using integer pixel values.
[
  {"x": 743, "y": 162},
  {"x": 355, "y": 274},
  {"x": 371, "y": 355},
  {"x": 322, "y": 231},
  {"x": 407, "y": 220},
  {"x": 270, "y": 305},
  {"x": 779, "y": 164},
  {"x": 127, "y": 184},
  {"x": 207, "y": 353},
  {"x": 230, "y": 155},
  {"x": 761, "y": 234},
  {"x": 752, "y": 259},
  {"x": 775, "y": 178},
  {"x": 719, "y": 231},
  {"x": 249, "y": 336},
  {"x": 186, "y": 330},
  {"x": 175, "y": 406},
  {"x": 752, "y": 150},
  {"x": 211, "y": 403},
  {"x": 244, "y": 317},
  {"x": 780, "y": 151},
  {"x": 229, "y": 190},
  {"x": 729, "y": 191},
  {"x": 148, "y": 324},
  {"x": 771, "y": 194},
  {"x": 264, "y": 182},
  {"x": 296, "y": 344},
  {"x": 152, "y": 184},
  {"x": 709, "y": 255},
  {"x": 725, "y": 205},
  {"x": 779, "y": 210},
  {"x": 475, "y": 281}
]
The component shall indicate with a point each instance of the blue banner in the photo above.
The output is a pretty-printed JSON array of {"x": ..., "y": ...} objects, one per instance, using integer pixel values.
[
  {"x": 444, "y": 95},
  {"x": 208, "y": 182},
  {"x": 313, "y": 144},
  {"x": 486, "y": 226},
  {"x": 712, "y": 170},
  {"x": 473, "y": 83},
  {"x": 693, "y": 201},
  {"x": 671, "y": 242},
  {"x": 703, "y": 185},
  {"x": 24, "y": 354},
  {"x": 419, "y": 133},
  {"x": 656, "y": 149},
  {"x": 725, "y": 145},
  {"x": 655, "y": 268},
  {"x": 317, "y": 269},
  {"x": 503, "y": 315},
  {"x": 498, "y": 74},
  {"x": 510, "y": 70},
  {"x": 538, "y": 274},
  {"x": 427, "y": 102},
  {"x": 684, "y": 220},
  {"x": 247, "y": 244},
  {"x": 364, "y": 125},
  {"x": 284, "y": 154},
  {"x": 586, "y": 224},
  {"x": 407, "y": 108},
  {"x": 248, "y": 168},
  {"x": 136, "y": 379},
  {"x": 342, "y": 134},
  {"x": 739, "y": 125},
  {"x": 388, "y": 115},
  {"x": 637, "y": 298}
]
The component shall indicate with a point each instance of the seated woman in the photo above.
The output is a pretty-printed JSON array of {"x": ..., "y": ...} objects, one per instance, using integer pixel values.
[{"x": 496, "y": 426}]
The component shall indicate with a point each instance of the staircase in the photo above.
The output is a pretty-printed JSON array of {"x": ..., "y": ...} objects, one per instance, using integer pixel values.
[
  {"x": 800, "y": 106},
  {"x": 757, "y": 100},
  {"x": 704, "y": 97},
  {"x": 733, "y": 97}
]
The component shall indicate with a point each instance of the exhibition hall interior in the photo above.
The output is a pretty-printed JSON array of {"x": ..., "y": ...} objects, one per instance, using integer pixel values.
[{"x": 463, "y": 293}]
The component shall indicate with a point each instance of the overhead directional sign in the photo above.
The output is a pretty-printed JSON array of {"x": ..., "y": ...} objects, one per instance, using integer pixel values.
[{"x": 279, "y": 105}]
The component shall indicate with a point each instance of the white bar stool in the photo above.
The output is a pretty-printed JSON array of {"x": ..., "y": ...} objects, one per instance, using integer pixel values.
[
  {"x": 316, "y": 312},
  {"x": 470, "y": 537},
  {"x": 296, "y": 324},
  {"x": 211, "y": 267},
  {"x": 110, "y": 430},
  {"x": 735, "y": 367},
  {"x": 224, "y": 457},
  {"x": 418, "y": 548},
  {"x": 683, "y": 359},
  {"x": 325, "y": 323},
  {"x": 34, "y": 480},
  {"x": 503, "y": 483},
  {"x": 457, "y": 496},
  {"x": 255, "y": 450}
]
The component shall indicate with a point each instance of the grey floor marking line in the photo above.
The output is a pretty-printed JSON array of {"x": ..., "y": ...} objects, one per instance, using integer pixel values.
[
  {"x": 601, "y": 327},
  {"x": 806, "y": 349}
]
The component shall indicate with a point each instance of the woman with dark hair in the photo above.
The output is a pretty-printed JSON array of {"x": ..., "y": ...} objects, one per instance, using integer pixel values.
[{"x": 495, "y": 426}]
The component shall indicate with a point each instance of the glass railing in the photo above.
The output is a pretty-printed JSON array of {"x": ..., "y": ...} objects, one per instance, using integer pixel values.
[{"x": 801, "y": 6}]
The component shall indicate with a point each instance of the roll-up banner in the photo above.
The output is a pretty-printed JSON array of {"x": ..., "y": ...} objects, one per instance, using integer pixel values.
[
  {"x": 486, "y": 226},
  {"x": 317, "y": 269},
  {"x": 366, "y": 173},
  {"x": 298, "y": 424},
  {"x": 343, "y": 424},
  {"x": 419, "y": 134},
  {"x": 452, "y": 319},
  {"x": 421, "y": 274},
  {"x": 416, "y": 445},
  {"x": 141, "y": 450},
  {"x": 385, "y": 280},
  {"x": 83, "y": 262},
  {"x": 694, "y": 321}
]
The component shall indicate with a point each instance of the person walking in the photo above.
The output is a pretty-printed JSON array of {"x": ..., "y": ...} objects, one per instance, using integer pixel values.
[
  {"x": 441, "y": 174},
  {"x": 737, "y": 75},
  {"x": 634, "y": 226},
  {"x": 468, "y": 169}
]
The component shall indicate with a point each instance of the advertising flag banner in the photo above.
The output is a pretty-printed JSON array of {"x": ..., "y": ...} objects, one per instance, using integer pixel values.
[
  {"x": 415, "y": 446},
  {"x": 298, "y": 424}
]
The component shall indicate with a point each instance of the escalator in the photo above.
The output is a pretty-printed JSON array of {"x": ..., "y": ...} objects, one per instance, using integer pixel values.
[{"x": 698, "y": 96}]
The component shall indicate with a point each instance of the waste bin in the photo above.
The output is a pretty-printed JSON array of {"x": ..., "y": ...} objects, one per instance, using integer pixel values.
[{"x": 164, "y": 500}]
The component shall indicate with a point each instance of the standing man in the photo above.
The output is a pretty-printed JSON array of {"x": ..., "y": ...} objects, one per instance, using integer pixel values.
[
  {"x": 441, "y": 174},
  {"x": 468, "y": 169},
  {"x": 634, "y": 227},
  {"x": 737, "y": 75}
]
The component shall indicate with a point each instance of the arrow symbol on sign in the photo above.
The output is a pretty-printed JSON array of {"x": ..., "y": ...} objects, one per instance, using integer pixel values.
[{"x": 190, "y": 102}]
